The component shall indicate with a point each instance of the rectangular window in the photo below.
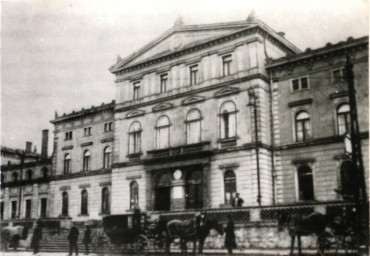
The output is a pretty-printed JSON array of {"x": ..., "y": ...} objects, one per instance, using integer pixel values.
[
  {"x": 339, "y": 75},
  {"x": 68, "y": 135},
  {"x": 28, "y": 209},
  {"x": 13, "y": 209},
  {"x": 299, "y": 84},
  {"x": 164, "y": 79},
  {"x": 87, "y": 131},
  {"x": 193, "y": 74},
  {"x": 226, "y": 65},
  {"x": 136, "y": 90},
  {"x": 135, "y": 142},
  {"x": 44, "y": 202},
  {"x": 108, "y": 127}
]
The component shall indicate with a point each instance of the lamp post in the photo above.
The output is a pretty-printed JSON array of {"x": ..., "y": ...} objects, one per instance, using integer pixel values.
[{"x": 253, "y": 103}]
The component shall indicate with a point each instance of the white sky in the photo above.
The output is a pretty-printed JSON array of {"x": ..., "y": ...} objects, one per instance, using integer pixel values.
[{"x": 55, "y": 54}]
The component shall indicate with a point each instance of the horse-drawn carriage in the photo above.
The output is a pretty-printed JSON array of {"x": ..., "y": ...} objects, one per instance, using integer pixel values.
[{"x": 130, "y": 233}]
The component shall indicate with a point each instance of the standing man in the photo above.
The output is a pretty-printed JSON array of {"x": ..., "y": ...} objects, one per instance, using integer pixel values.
[
  {"x": 230, "y": 242},
  {"x": 73, "y": 237},
  {"x": 37, "y": 236},
  {"x": 86, "y": 240},
  {"x": 238, "y": 202}
]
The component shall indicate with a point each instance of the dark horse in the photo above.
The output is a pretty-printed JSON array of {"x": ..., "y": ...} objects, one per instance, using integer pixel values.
[
  {"x": 191, "y": 230},
  {"x": 302, "y": 225}
]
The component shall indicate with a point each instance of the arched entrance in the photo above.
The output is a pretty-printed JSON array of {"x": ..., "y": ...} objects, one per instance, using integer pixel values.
[
  {"x": 163, "y": 192},
  {"x": 194, "y": 189}
]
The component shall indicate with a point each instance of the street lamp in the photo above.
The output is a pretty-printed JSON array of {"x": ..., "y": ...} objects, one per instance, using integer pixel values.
[{"x": 253, "y": 103}]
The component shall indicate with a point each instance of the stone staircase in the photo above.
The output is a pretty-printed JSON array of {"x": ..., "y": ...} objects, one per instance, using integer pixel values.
[{"x": 58, "y": 242}]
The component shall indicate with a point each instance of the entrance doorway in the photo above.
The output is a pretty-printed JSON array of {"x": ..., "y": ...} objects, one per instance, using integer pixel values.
[
  {"x": 194, "y": 190},
  {"x": 162, "y": 200}
]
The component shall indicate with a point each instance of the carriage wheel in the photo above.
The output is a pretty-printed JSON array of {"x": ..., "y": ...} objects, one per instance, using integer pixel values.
[
  {"x": 99, "y": 243},
  {"x": 160, "y": 245},
  {"x": 328, "y": 244},
  {"x": 141, "y": 245}
]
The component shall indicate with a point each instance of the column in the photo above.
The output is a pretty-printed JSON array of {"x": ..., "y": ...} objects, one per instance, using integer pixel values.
[
  {"x": 174, "y": 78},
  {"x": 35, "y": 202},
  {"x": 214, "y": 59},
  {"x": 242, "y": 58},
  {"x": 6, "y": 204},
  {"x": 178, "y": 194},
  {"x": 206, "y": 180},
  {"x": 153, "y": 84},
  {"x": 184, "y": 70},
  {"x": 206, "y": 68}
]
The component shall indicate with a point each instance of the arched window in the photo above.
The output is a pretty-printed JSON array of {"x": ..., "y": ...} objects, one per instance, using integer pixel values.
[
  {"x": 29, "y": 175},
  {"x": 302, "y": 126},
  {"x": 67, "y": 163},
  {"x": 107, "y": 157},
  {"x": 134, "y": 138},
  {"x": 14, "y": 176},
  {"x": 65, "y": 203},
  {"x": 194, "y": 190},
  {"x": 86, "y": 161},
  {"x": 344, "y": 119},
  {"x": 84, "y": 202},
  {"x": 305, "y": 184},
  {"x": 134, "y": 195},
  {"x": 163, "y": 192},
  {"x": 230, "y": 186},
  {"x": 228, "y": 120},
  {"x": 105, "y": 202},
  {"x": 44, "y": 172},
  {"x": 348, "y": 179},
  {"x": 193, "y": 129},
  {"x": 163, "y": 132}
]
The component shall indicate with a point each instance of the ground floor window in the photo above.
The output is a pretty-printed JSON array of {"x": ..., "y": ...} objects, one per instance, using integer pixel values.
[
  {"x": 348, "y": 179},
  {"x": 65, "y": 204},
  {"x": 163, "y": 192},
  {"x": 194, "y": 189},
  {"x": 105, "y": 203},
  {"x": 13, "y": 209},
  {"x": 28, "y": 208},
  {"x": 134, "y": 195},
  {"x": 230, "y": 186},
  {"x": 43, "y": 207},
  {"x": 305, "y": 183}
]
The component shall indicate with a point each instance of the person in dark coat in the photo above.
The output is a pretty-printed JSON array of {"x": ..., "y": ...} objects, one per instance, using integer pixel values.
[
  {"x": 230, "y": 243},
  {"x": 237, "y": 201},
  {"x": 36, "y": 237},
  {"x": 87, "y": 239},
  {"x": 73, "y": 237}
]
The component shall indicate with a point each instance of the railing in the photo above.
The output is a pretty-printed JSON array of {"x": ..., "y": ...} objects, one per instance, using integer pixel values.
[
  {"x": 242, "y": 215},
  {"x": 181, "y": 150}
]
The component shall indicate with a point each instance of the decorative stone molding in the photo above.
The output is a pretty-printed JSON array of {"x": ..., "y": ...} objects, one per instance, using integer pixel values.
[
  {"x": 162, "y": 106},
  {"x": 338, "y": 95},
  {"x": 303, "y": 161},
  {"x": 193, "y": 100},
  {"x": 84, "y": 186},
  {"x": 86, "y": 144},
  {"x": 64, "y": 188},
  {"x": 134, "y": 177},
  {"x": 228, "y": 166},
  {"x": 67, "y": 147},
  {"x": 300, "y": 103},
  {"x": 226, "y": 91},
  {"x": 107, "y": 183},
  {"x": 107, "y": 140},
  {"x": 135, "y": 113}
]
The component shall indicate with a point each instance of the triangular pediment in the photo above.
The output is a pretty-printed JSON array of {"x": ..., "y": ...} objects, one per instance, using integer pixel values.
[
  {"x": 135, "y": 113},
  {"x": 179, "y": 37},
  {"x": 162, "y": 106},
  {"x": 192, "y": 100},
  {"x": 226, "y": 91}
]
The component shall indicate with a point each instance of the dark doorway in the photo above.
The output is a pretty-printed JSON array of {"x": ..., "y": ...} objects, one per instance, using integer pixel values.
[
  {"x": 163, "y": 199},
  {"x": 348, "y": 179},
  {"x": 28, "y": 209},
  {"x": 43, "y": 207},
  {"x": 194, "y": 190},
  {"x": 305, "y": 183}
]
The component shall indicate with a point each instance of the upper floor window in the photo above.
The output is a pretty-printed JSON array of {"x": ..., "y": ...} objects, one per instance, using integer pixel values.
[
  {"x": 305, "y": 183},
  {"x": 68, "y": 135},
  {"x": 107, "y": 157},
  {"x": 105, "y": 203},
  {"x": 344, "y": 118},
  {"x": 303, "y": 126},
  {"x": 29, "y": 175},
  {"x": 163, "y": 132},
  {"x": 300, "y": 83},
  {"x": 134, "y": 195},
  {"x": 339, "y": 75},
  {"x": 86, "y": 160},
  {"x": 164, "y": 79},
  {"x": 135, "y": 138},
  {"x": 108, "y": 127},
  {"x": 87, "y": 131},
  {"x": 14, "y": 176},
  {"x": 67, "y": 164},
  {"x": 226, "y": 65},
  {"x": 136, "y": 90},
  {"x": 228, "y": 120},
  {"x": 193, "y": 129},
  {"x": 193, "y": 74}
]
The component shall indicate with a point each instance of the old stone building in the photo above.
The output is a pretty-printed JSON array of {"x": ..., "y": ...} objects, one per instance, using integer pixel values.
[{"x": 82, "y": 160}]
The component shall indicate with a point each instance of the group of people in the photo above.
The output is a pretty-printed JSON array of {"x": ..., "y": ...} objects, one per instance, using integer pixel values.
[{"x": 72, "y": 237}]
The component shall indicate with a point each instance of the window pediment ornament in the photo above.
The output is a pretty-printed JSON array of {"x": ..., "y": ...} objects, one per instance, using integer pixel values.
[
  {"x": 226, "y": 91},
  {"x": 162, "y": 106},
  {"x": 192, "y": 100},
  {"x": 135, "y": 113}
]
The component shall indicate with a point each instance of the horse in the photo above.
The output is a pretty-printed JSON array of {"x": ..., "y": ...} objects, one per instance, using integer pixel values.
[
  {"x": 302, "y": 225},
  {"x": 12, "y": 235},
  {"x": 191, "y": 230}
]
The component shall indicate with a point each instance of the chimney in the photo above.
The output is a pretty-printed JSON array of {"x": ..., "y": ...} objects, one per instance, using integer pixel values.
[
  {"x": 282, "y": 34},
  {"x": 28, "y": 147},
  {"x": 44, "y": 143}
]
